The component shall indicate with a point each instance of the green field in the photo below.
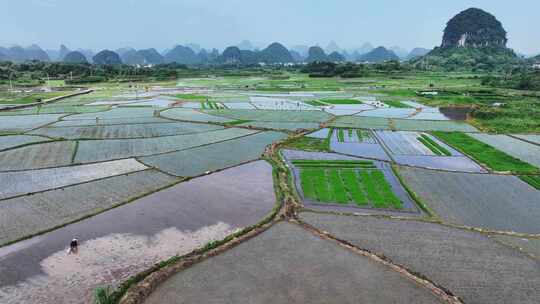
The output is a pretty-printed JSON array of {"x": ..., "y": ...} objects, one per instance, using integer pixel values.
[
  {"x": 337, "y": 101},
  {"x": 309, "y": 144},
  {"x": 433, "y": 145},
  {"x": 485, "y": 154},
  {"x": 345, "y": 182}
]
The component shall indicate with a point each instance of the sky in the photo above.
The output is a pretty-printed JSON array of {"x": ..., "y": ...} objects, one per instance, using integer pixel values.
[{"x": 100, "y": 24}]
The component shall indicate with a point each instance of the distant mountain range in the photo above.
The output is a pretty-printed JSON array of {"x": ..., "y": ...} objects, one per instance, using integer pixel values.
[
  {"x": 193, "y": 54},
  {"x": 377, "y": 55}
]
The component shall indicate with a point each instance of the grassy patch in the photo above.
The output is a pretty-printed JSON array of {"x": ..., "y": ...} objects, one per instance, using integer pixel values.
[
  {"x": 341, "y": 101},
  {"x": 433, "y": 145},
  {"x": 309, "y": 144},
  {"x": 485, "y": 154},
  {"x": 533, "y": 180},
  {"x": 238, "y": 122}
]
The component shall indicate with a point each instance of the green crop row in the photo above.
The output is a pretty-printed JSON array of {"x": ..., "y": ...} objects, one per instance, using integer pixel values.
[
  {"x": 433, "y": 146},
  {"x": 533, "y": 180},
  {"x": 344, "y": 185},
  {"x": 341, "y": 135},
  {"x": 485, "y": 154}
]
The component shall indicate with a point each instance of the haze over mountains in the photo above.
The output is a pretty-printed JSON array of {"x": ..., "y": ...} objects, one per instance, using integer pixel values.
[
  {"x": 192, "y": 53},
  {"x": 473, "y": 36}
]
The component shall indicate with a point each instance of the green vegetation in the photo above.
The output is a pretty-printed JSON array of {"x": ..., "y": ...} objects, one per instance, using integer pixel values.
[
  {"x": 212, "y": 105},
  {"x": 309, "y": 144},
  {"x": 433, "y": 145},
  {"x": 315, "y": 103},
  {"x": 485, "y": 154},
  {"x": 396, "y": 104},
  {"x": 25, "y": 98},
  {"x": 344, "y": 182},
  {"x": 341, "y": 101},
  {"x": 366, "y": 164},
  {"x": 533, "y": 180},
  {"x": 341, "y": 135},
  {"x": 191, "y": 97}
]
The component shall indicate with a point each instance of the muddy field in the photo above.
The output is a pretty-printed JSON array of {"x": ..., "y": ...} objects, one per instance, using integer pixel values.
[
  {"x": 472, "y": 266},
  {"x": 303, "y": 267},
  {"x": 169, "y": 222},
  {"x": 474, "y": 200}
]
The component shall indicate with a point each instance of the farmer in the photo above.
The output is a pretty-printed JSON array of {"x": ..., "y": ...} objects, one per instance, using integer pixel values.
[{"x": 74, "y": 246}]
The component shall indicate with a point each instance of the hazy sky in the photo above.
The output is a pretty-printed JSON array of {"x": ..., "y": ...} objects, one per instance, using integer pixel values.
[{"x": 161, "y": 24}]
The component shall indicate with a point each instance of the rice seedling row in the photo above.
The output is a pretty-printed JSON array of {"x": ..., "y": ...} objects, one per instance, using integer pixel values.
[
  {"x": 37, "y": 156},
  {"x": 433, "y": 146},
  {"x": 533, "y": 180},
  {"x": 485, "y": 154},
  {"x": 27, "y": 215},
  {"x": 196, "y": 161},
  {"x": 346, "y": 182},
  {"x": 16, "y": 183},
  {"x": 517, "y": 148},
  {"x": 109, "y": 149}
]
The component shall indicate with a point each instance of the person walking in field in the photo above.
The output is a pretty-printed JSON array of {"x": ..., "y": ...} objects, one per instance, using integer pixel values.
[{"x": 74, "y": 246}]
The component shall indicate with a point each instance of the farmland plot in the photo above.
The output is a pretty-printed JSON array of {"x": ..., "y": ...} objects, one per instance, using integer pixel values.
[
  {"x": 357, "y": 182},
  {"x": 410, "y": 143},
  {"x": 422, "y": 150},
  {"x": 61, "y": 109},
  {"x": 239, "y": 105},
  {"x": 528, "y": 245},
  {"x": 321, "y": 134},
  {"x": 534, "y": 138},
  {"x": 109, "y": 122},
  {"x": 432, "y": 125},
  {"x": 23, "y": 182},
  {"x": 26, "y": 122},
  {"x": 486, "y": 154},
  {"x": 527, "y": 152},
  {"x": 323, "y": 273},
  {"x": 361, "y": 143},
  {"x": 116, "y": 113},
  {"x": 109, "y": 149},
  {"x": 267, "y": 103},
  {"x": 361, "y": 122},
  {"x": 469, "y": 264},
  {"x": 13, "y": 141},
  {"x": 156, "y": 102},
  {"x": 126, "y": 130},
  {"x": 43, "y": 155},
  {"x": 192, "y": 115},
  {"x": 429, "y": 114},
  {"x": 27, "y": 215},
  {"x": 126, "y": 240},
  {"x": 495, "y": 202},
  {"x": 291, "y": 155},
  {"x": 388, "y": 113},
  {"x": 196, "y": 161},
  {"x": 291, "y": 126},
  {"x": 273, "y": 115}
]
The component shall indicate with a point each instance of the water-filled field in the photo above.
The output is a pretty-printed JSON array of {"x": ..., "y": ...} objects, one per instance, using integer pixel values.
[{"x": 403, "y": 193}]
